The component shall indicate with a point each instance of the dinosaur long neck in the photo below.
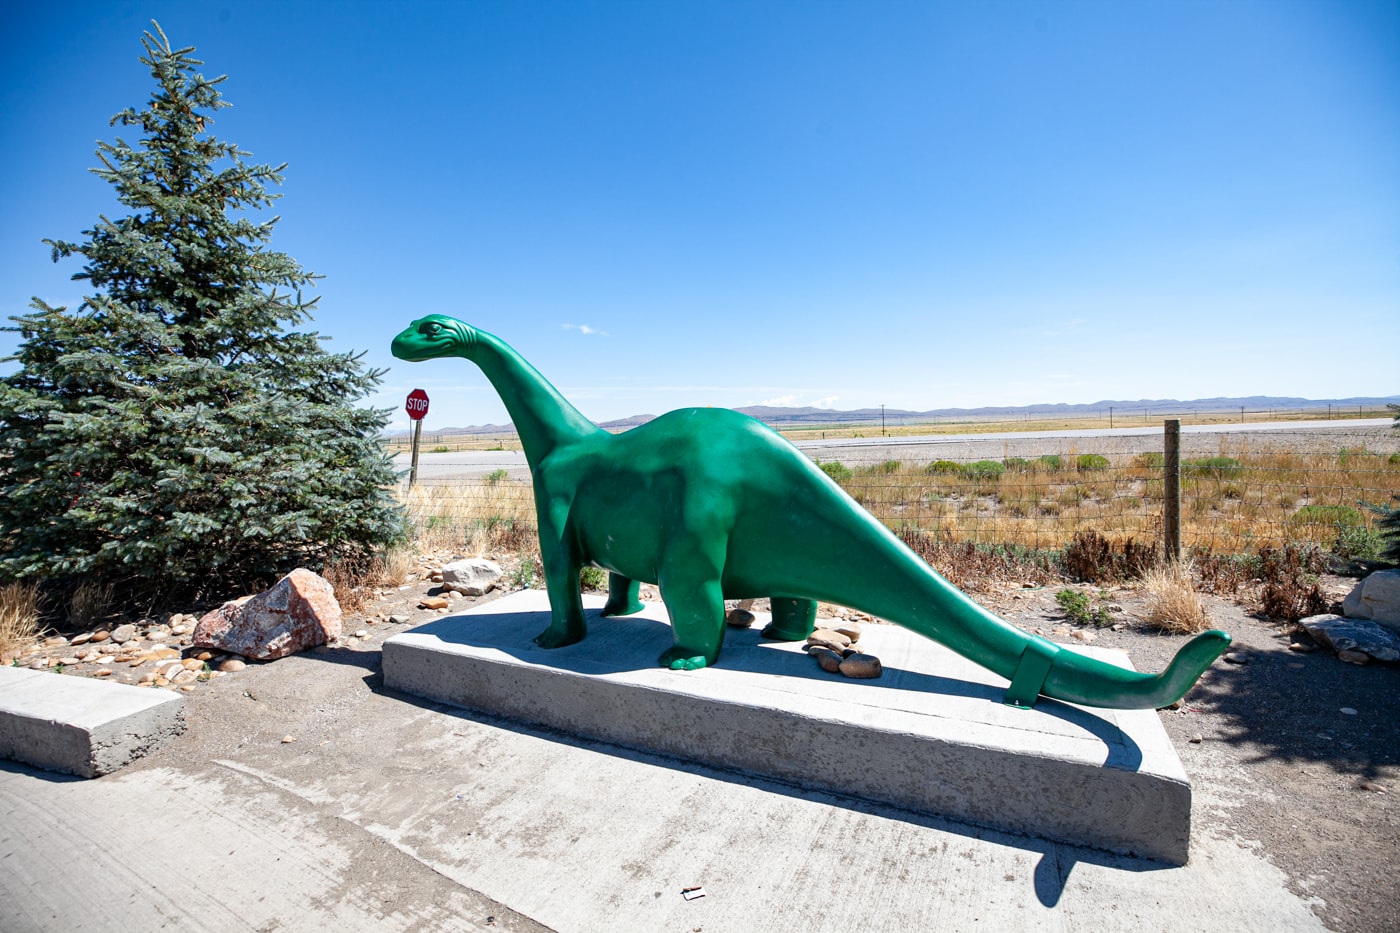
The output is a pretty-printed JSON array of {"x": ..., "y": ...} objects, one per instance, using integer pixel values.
[{"x": 543, "y": 418}]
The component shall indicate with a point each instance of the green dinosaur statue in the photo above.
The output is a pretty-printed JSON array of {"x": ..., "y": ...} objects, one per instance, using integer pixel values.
[{"x": 712, "y": 505}]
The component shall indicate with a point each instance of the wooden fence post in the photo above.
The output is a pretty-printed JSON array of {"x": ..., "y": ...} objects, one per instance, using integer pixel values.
[
  {"x": 413, "y": 470},
  {"x": 1171, "y": 489}
]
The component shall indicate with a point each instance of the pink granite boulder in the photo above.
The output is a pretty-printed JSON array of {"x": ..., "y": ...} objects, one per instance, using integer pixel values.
[{"x": 299, "y": 612}]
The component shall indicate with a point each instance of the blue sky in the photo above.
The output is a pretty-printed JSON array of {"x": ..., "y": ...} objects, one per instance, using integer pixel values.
[{"x": 844, "y": 204}]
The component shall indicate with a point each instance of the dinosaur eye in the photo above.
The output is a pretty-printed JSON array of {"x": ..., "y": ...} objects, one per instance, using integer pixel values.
[{"x": 432, "y": 328}]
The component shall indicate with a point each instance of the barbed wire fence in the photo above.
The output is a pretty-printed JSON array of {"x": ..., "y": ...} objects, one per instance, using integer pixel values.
[{"x": 1239, "y": 491}]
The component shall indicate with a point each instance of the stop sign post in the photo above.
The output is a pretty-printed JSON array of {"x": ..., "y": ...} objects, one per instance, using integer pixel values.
[{"x": 417, "y": 407}]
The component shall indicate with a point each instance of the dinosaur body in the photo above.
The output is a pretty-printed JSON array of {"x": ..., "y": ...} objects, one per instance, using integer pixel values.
[{"x": 710, "y": 505}]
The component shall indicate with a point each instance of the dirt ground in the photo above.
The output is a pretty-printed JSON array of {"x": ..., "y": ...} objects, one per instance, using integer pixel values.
[{"x": 1293, "y": 753}]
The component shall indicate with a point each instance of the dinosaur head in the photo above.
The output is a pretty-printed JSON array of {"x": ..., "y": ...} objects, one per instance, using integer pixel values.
[{"x": 433, "y": 336}]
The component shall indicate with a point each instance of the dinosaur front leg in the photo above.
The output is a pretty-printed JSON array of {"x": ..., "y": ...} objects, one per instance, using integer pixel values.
[
  {"x": 793, "y": 619},
  {"x": 562, "y": 564},
  {"x": 624, "y": 596},
  {"x": 690, "y": 588}
]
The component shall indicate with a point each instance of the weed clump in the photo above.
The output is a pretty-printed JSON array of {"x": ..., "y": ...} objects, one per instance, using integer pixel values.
[
  {"x": 984, "y": 470},
  {"x": 1091, "y": 462},
  {"x": 1081, "y": 609},
  {"x": 1173, "y": 605},
  {"x": 19, "y": 616},
  {"x": 1290, "y": 591},
  {"x": 944, "y": 468},
  {"x": 835, "y": 469},
  {"x": 1214, "y": 467},
  {"x": 1092, "y": 558}
]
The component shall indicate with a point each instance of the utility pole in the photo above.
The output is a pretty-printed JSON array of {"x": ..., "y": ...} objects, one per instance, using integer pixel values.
[{"x": 882, "y": 420}]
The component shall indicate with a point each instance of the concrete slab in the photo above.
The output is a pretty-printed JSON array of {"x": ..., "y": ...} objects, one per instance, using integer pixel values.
[
  {"x": 931, "y": 735},
  {"x": 81, "y": 726}
]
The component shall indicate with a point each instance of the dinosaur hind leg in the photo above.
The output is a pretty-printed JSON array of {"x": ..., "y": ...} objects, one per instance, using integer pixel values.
[
  {"x": 690, "y": 588},
  {"x": 793, "y": 619},
  {"x": 624, "y": 596}
]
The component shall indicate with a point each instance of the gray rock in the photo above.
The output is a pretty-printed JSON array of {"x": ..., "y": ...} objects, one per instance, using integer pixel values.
[
  {"x": 472, "y": 577},
  {"x": 829, "y": 660},
  {"x": 123, "y": 633},
  {"x": 1354, "y": 635},
  {"x": 1376, "y": 598}
]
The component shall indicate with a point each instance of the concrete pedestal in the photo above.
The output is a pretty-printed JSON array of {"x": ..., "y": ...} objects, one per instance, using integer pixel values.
[{"x": 931, "y": 735}]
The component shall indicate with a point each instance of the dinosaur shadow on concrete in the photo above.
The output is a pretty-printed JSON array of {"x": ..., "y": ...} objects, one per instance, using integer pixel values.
[{"x": 509, "y": 633}]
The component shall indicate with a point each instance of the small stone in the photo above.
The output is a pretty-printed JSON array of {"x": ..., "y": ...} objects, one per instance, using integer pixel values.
[
  {"x": 69, "y": 662},
  {"x": 1196, "y": 739},
  {"x": 232, "y": 665},
  {"x": 123, "y": 633},
  {"x": 1082, "y": 635},
  {"x": 101, "y": 635},
  {"x": 1299, "y": 646},
  {"x": 850, "y": 630},
  {"x": 829, "y": 660},
  {"x": 1296, "y": 665},
  {"x": 192, "y": 664},
  {"x": 1348, "y": 711},
  {"x": 188, "y": 688},
  {"x": 1352, "y": 656},
  {"x": 739, "y": 618},
  {"x": 166, "y": 653},
  {"x": 1235, "y": 657},
  {"x": 288, "y": 739},
  {"x": 148, "y": 677},
  {"x": 1178, "y": 704},
  {"x": 55, "y": 641},
  {"x": 362, "y": 633},
  {"x": 828, "y": 638},
  {"x": 40, "y": 665},
  {"x": 161, "y": 681},
  {"x": 82, "y": 639},
  {"x": 398, "y": 619},
  {"x": 102, "y": 672},
  {"x": 1372, "y": 786},
  {"x": 433, "y": 602},
  {"x": 184, "y": 677},
  {"x": 105, "y": 659},
  {"x": 204, "y": 656},
  {"x": 861, "y": 666}
]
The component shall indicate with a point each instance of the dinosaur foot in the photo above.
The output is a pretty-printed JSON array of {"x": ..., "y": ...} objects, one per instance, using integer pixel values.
[
  {"x": 551, "y": 638},
  {"x": 776, "y": 632},
  {"x": 682, "y": 659},
  {"x": 622, "y": 608}
]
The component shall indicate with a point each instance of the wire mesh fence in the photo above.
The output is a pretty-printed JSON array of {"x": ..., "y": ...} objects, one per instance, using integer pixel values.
[{"x": 1239, "y": 490}]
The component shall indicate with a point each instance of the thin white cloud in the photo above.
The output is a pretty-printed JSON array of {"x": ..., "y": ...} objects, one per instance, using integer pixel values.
[
  {"x": 586, "y": 330},
  {"x": 781, "y": 401},
  {"x": 827, "y": 402}
]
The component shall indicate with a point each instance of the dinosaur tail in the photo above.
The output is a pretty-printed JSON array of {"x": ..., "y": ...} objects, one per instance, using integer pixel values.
[{"x": 1049, "y": 670}]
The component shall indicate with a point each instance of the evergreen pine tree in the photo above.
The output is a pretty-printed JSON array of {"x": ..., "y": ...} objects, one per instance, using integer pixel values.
[{"x": 175, "y": 433}]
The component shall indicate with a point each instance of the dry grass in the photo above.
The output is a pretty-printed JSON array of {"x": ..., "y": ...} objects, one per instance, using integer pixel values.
[
  {"x": 88, "y": 604},
  {"x": 1269, "y": 499},
  {"x": 472, "y": 515},
  {"x": 1173, "y": 605},
  {"x": 19, "y": 616}
]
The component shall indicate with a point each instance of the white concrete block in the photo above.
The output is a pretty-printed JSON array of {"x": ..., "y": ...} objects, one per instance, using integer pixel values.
[{"x": 82, "y": 726}]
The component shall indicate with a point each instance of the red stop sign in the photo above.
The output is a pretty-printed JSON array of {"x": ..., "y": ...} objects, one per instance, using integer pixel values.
[{"x": 417, "y": 404}]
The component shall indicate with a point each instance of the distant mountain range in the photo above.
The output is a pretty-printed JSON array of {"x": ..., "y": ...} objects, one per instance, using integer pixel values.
[{"x": 779, "y": 417}]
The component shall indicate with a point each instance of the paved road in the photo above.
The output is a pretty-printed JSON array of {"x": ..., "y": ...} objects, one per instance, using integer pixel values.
[{"x": 1197, "y": 440}]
